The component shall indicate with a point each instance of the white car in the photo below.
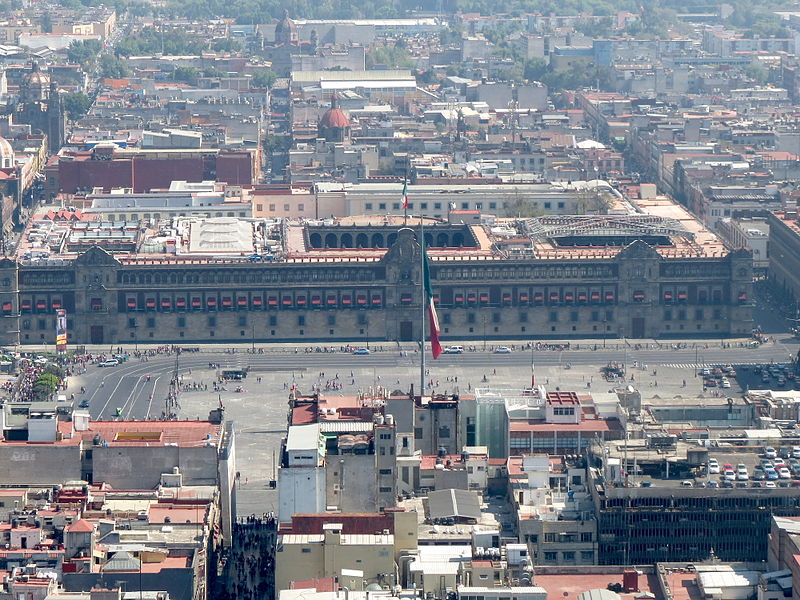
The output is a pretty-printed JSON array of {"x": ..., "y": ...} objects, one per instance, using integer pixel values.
[
  {"x": 741, "y": 475},
  {"x": 109, "y": 363},
  {"x": 502, "y": 350},
  {"x": 795, "y": 451},
  {"x": 784, "y": 473},
  {"x": 770, "y": 484},
  {"x": 713, "y": 467},
  {"x": 725, "y": 384},
  {"x": 779, "y": 462},
  {"x": 454, "y": 350},
  {"x": 769, "y": 452},
  {"x": 729, "y": 475}
]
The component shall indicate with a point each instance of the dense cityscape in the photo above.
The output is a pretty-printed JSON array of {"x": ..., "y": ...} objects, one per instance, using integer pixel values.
[{"x": 397, "y": 300}]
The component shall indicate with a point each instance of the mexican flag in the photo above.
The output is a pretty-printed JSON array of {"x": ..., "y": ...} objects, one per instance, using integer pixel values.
[
  {"x": 405, "y": 194},
  {"x": 433, "y": 319}
]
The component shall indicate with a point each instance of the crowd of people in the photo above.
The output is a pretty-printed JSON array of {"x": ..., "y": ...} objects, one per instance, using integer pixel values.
[{"x": 250, "y": 565}]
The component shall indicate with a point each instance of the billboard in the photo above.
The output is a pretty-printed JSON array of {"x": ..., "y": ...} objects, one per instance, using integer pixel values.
[{"x": 61, "y": 330}]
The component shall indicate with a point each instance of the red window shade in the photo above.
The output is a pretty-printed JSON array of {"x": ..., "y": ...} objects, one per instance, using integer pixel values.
[
  {"x": 181, "y": 302},
  {"x": 569, "y": 297},
  {"x": 347, "y": 300},
  {"x": 272, "y": 301},
  {"x": 459, "y": 298},
  {"x": 484, "y": 297},
  {"x": 523, "y": 297},
  {"x": 609, "y": 295},
  {"x": 150, "y": 303},
  {"x": 553, "y": 297},
  {"x": 405, "y": 298},
  {"x": 226, "y": 301},
  {"x": 257, "y": 301},
  {"x": 538, "y": 297},
  {"x": 7, "y": 307},
  {"x": 361, "y": 300},
  {"x": 331, "y": 300},
  {"x": 241, "y": 301},
  {"x": 165, "y": 303},
  {"x": 211, "y": 301},
  {"x": 667, "y": 296},
  {"x": 41, "y": 304},
  {"x": 742, "y": 296},
  {"x": 506, "y": 297},
  {"x": 638, "y": 295},
  {"x": 595, "y": 296},
  {"x": 96, "y": 303},
  {"x": 377, "y": 300},
  {"x": 26, "y": 304},
  {"x": 56, "y": 304},
  {"x": 131, "y": 303},
  {"x": 286, "y": 300},
  {"x": 581, "y": 297},
  {"x": 316, "y": 300},
  {"x": 196, "y": 302},
  {"x": 301, "y": 301},
  {"x": 682, "y": 295}
]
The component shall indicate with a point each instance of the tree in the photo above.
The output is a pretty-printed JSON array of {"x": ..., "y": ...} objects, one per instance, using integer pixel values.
[
  {"x": 212, "y": 72},
  {"x": 84, "y": 52},
  {"x": 45, "y": 386},
  {"x": 76, "y": 105},
  {"x": 534, "y": 69},
  {"x": 46, "y": 23},
  {"x": 226, "y": 45},
  {"x": 113, "y": 67},
  {"x": 263, "y": 78},
  {"x": 185, "y": 74}
]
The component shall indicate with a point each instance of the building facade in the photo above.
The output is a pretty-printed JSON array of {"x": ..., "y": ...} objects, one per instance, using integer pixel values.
[{"x": 356, "y": 282}]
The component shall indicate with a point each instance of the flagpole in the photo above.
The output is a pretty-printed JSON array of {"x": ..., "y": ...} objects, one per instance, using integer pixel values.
[
  {"x": 405, "y": 201},
  {"x": 423, "y": 307}
]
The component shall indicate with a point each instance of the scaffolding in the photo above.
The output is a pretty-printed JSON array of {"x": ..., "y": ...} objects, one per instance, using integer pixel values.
[{"x": 558, "y": 226}]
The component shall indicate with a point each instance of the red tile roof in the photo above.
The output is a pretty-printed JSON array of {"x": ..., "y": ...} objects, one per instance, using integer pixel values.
[{"x": 81, "y": 526}]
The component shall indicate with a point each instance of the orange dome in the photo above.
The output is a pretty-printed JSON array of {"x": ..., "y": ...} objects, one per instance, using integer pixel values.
[{"x": 334, "y": 117}]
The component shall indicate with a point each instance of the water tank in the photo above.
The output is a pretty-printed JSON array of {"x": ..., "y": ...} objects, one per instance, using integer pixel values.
[
  {"x": 390, "y": 419},
  {"x": 630, "y": 580}
]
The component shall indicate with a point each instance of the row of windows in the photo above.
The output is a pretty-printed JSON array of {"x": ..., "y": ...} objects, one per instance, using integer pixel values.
[
  {"x": 524, "y": 272},
  {"x": 247, "y": 276},
  {"x": 242, "y": 321},
  {"x": 258, "y": 301}
]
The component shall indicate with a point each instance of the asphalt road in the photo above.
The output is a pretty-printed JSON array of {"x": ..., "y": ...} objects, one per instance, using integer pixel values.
[{"x": 127, "y": 387}]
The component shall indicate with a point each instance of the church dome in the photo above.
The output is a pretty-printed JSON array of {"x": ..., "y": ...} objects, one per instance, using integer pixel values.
[
  {"x": 286, "y": 30},
  {"x": 6, "y": 154},
  {"x": 334, "y": 117},
  {"x": 37, "y": 78}
]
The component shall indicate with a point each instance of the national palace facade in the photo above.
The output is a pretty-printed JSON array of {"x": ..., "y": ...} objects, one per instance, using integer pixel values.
[{"x": 351, "y": 281}]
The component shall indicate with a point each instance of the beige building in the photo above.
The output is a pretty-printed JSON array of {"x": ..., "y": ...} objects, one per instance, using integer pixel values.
[{"x": 356, "y": 559}]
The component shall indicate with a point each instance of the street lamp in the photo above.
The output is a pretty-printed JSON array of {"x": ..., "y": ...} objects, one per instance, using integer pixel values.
[{"x": 484, "y": 332}]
